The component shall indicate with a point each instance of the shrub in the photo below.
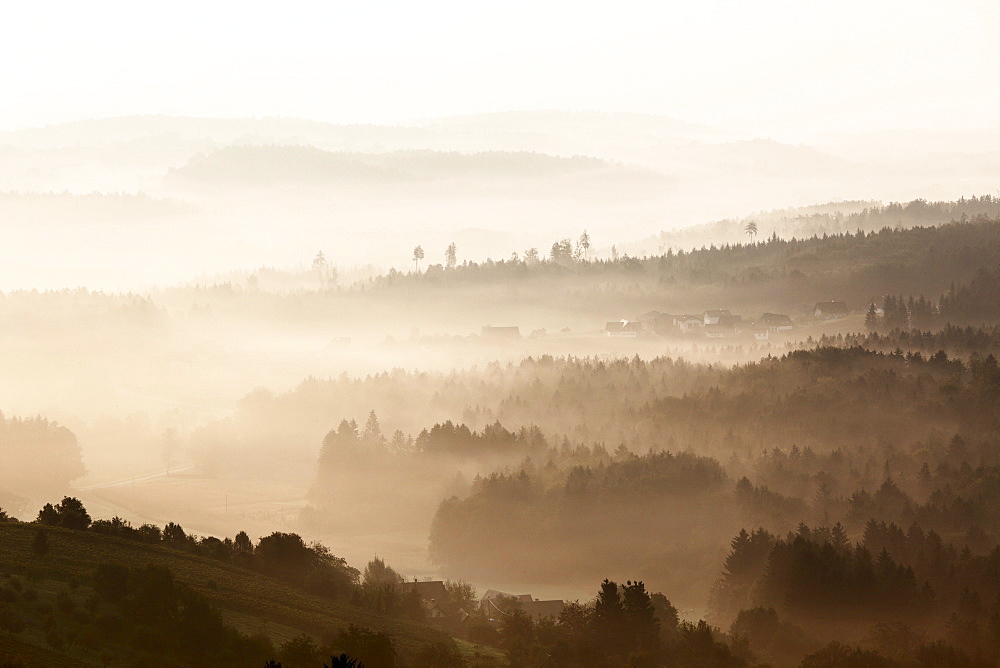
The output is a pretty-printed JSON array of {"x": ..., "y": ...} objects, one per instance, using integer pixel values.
[{"x": 111, "y": 581}]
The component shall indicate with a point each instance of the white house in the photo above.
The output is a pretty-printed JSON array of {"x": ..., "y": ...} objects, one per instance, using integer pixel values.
[{"x": 713, "y": 317}]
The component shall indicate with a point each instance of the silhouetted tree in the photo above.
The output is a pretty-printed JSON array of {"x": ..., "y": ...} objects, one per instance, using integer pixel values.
[
  {"x": 609, "y": 615},
  {"x": 68, "y": 513},
  {"x": 242, "y": 544},
  {"x": 585, "y": 244},
  {"x": 174, "y": 533},
  {"x": 639, "y": 617}
]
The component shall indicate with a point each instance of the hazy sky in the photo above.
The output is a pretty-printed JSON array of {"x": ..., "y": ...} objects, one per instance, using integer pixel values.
[{"x": 770, "y": 68}]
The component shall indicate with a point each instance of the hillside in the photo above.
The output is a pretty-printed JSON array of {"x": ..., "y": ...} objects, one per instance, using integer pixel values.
[{"x": 249, "y": 601}]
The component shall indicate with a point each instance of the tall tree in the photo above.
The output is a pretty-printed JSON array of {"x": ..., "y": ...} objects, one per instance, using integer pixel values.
[
  {"x": 609, "y": 615},
  {"x": 418, "y": 255},
  {"x": 320, "y": 264},
  {"x": 751, "y": 229},
  {"x": 871, "y": 318},
  {"x": 561, "y": 251},
  {"x": 242, "y": 544},
  {"x": 585, "y": 244},
  {"x": 372, "y": 435},
  {"x": 640, "y": 617},
  {"x": 451, "y": 255}
]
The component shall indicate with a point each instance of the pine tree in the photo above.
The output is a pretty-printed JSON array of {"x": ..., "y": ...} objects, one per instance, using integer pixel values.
[
  {"x": 640, "y": 617},
  {"x": 609, "y": 615},
  {"x": 871, "y": 318}
]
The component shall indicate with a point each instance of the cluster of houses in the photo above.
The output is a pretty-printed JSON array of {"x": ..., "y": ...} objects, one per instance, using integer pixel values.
[
  {"x": 716, "y": 324},
  {"x": 493, "y": 606}
]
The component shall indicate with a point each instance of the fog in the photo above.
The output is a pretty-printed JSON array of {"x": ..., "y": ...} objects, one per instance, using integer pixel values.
[{"x": 603, "y": 338}]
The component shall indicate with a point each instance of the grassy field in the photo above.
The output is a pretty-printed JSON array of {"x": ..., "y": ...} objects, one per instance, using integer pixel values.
[{"x": 249, "y": 601}]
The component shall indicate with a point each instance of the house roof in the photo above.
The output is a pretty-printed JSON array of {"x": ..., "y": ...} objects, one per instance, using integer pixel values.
[
  {"x": 717, "y": 313},
  {"x": 504, "y": 332},
  {"x": 533, "y": 607},
  {"x": 623, "y": 326},
  {"x": 429, "y": 590},
  {"x": 831, "y": 307},
  {"x": 775, "y": 319},
  {"x": 653, "y": 316},
  {"x": 493, "y": 594}
]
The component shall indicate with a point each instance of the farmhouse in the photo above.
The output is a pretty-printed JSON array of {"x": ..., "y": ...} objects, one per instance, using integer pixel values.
[
  {"x": 688, "y": 322},
  {"x": 658, "y": 322},
  {"x": 490, "y": 332},
  {"x": 624, "y": 328},
  {"x": 714, "y": 317},
  {"x": 493, "y": 601},
  {"x": 775, "y": 322},
  {"x": 830, "y": 310}
]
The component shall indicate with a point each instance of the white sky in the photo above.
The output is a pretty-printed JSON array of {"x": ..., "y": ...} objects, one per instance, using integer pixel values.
[{"x": 784, "y": 69}]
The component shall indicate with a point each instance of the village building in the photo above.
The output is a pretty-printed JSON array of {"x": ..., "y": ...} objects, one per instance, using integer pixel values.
[
  {"x": 657, "y": 321},
  {"x": 775, "y": 322},
  {"x": 624, "y": 328},
  {"x": 686, "y": 323},
  {"x": 490, "y": 332},
  {"x": 830, "y": 310},
  {"x": 714, "y": 317},
  {"x": 493, "y": 601}
]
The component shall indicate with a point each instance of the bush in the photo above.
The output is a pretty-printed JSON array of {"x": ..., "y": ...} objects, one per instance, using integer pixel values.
[
  {"x": 370, "y": 647},
  {"x": 111, "y": 581},
  {"x": 440, "y": 654},
  {"x": 300, "y": 651},
  {"x": 150, "y": 533}
]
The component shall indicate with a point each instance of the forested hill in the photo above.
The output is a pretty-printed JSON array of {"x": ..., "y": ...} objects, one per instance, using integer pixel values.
[
  {"x": 817, "y": 220},
  {"x": 307, "y": 165},
  {"x": 773, "y": 273},
  {"x": 76, "y": 592}
]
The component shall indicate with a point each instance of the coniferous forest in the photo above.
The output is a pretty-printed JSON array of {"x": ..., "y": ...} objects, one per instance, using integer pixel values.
[{"x": 830, "y": 498}]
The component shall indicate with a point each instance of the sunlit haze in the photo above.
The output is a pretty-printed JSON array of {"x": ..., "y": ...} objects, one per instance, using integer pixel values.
[
  {"x": 788, "y": 70},
  {"x": 484, "y": 335}
]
